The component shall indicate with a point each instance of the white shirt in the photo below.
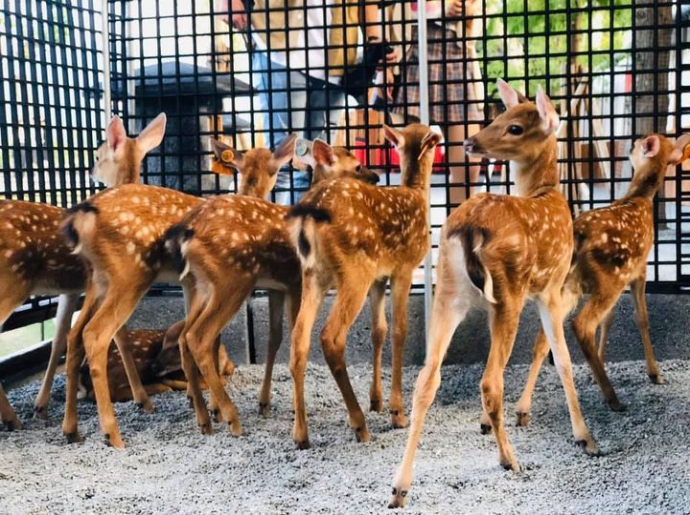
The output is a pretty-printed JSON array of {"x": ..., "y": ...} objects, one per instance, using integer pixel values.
[{"x": 310, "y": 55}]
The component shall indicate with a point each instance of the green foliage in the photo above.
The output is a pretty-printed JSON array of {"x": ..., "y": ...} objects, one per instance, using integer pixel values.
[{"x": 544, "y": 38}]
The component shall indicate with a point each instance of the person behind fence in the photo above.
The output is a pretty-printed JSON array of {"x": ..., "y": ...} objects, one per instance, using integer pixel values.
[
  {"x": 302, "y": 48},
  {"x": 455, "y": 90}
]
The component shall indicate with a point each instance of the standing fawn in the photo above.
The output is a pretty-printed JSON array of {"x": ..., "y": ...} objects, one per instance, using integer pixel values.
[
  {"x": 611, "y": 248},
  {"x": 159, "y": 365},
  {"x": 496, "y": 252},
  {"x": 119, "y": 232},
  {"x": 34, "y": 259},
  {"x": 355, "y": 237},
  {"x": 227, "y": 247}
]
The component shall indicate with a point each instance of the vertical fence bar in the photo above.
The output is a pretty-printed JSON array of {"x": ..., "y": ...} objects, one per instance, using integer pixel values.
[
  {"x": 424, "y": 118},
  {"x": 107, "y": 105}
]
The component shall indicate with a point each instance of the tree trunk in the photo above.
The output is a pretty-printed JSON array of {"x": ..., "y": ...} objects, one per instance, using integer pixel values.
[{"x": 652, "y": 41}]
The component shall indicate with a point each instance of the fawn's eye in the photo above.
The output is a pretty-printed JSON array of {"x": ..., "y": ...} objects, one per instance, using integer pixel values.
[
  {"x": 515, "y": 130},
  {"x": 358, "y": 169}
]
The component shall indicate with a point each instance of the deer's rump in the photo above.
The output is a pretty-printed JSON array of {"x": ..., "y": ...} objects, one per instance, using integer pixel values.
[{"x": 32, "y": 247}]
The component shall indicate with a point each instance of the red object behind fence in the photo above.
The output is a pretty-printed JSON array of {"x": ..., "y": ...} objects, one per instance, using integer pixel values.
[{"x": 387, "y": 156}]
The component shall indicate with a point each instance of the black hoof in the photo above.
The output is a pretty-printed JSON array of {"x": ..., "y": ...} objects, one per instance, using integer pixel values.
[
  {"x": 41, "y": 412},
  {"x": 616, "y": 405},
  {"x": 484, "y": 429},
  {"x": 73, "y": 437},
  {"x": 303, "y": 445}
]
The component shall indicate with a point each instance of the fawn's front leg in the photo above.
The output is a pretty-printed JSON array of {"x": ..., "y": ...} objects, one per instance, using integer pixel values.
[
  {"x": 67, "y": 304},
  {"x": 276, "y": 308},
  {"x": 379, "y": 328}
]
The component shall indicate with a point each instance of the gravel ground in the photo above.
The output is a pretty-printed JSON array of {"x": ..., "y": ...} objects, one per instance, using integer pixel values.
[{"x": 168, "y": 467}]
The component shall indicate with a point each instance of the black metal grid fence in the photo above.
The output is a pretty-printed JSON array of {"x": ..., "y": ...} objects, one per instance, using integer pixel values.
[{"x": 616, "y": 69}]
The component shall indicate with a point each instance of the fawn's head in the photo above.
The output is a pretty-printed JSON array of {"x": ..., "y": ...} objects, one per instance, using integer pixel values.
[
  {"x": 416, "y": 145},
  {"x": 519, "y": 132},
  {"x": 118, "y": 159},
  {"x": 258, "y": 167},
  {"x": 650, "y": 157},
  {"x": 524, "y": 134},
  {"x": 329, "y": 162}
]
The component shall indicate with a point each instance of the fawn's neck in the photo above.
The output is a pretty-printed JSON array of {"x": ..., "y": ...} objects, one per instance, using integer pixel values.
[
  {"x": 251, "y": 188},
  {"x": 131, "y": 164},
  {"x": 645, "y": 183},
  {"x": 415, "y": 173},
  {"x": 538, "y": 171}
]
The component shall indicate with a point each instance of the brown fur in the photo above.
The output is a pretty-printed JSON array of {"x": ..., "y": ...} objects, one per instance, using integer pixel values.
[
  {"x": 524, "y": 245},
  {"x": 35, "y": 259},
  {"x": 236, "y": 245},
  {"x": 121, "y": 236},
  {"x": 611, "y": 248},
  {"x": 358, "y": 237},
  {"x": 159, "y": 364}
]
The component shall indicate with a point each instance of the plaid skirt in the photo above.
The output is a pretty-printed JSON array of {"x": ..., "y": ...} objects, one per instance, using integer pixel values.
[{"x": 452, "y": 80}]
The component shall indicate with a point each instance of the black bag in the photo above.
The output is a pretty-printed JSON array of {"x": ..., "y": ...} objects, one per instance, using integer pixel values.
[{"x": 359, "y": 78}]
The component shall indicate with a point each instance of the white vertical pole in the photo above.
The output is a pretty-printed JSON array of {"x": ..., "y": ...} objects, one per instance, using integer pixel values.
[
  {"x": 424, "y": 118},
  {"x": 106, "y": 62}
]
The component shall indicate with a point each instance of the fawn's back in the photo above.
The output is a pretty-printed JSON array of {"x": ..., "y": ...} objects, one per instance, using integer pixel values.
[
  {"x": 131, "y": 218},
  {"x": 385, "y": 225},
  {"x": 240, "y": 234},
  {"x": 32, "y": 248}
]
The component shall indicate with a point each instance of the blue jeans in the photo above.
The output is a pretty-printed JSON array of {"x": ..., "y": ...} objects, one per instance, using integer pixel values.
[{"x": 293, "y": 102}]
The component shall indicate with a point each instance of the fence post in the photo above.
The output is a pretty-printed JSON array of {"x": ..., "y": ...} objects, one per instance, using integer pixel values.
[
  {"x": 107, "y": 106},
  {"x": 424, "y": 118}
]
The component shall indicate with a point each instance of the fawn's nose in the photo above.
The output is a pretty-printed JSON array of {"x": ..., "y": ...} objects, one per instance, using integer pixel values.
[
  {"x": 469, "y": 144},
  {"x": 371, "y": 177}
]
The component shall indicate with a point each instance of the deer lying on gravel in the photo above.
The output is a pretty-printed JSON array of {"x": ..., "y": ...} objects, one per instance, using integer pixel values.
[
  {"x": 354, "y": 237},
  {"x": 119, "y": 232},
  {"x": 496, "y": 252},
  {"x": 159, "y": 365},
  {"x": 611, "y": 248},
  {"x": 231, "y": 245},
  {"x": 34, "y": 259}
]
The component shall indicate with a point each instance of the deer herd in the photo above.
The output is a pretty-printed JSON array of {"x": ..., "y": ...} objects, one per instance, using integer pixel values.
[{"x": 348, "y": 235}]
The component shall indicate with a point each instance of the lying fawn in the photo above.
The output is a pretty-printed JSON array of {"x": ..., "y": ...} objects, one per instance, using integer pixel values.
[
  {"x": 34, "y": 259},
  {"x": 159, "y": 365},
  {"x": 496, "y": 252},
  {"x": 231, "y": 245},
  {"x": 355, "y": 237},
  {"x": 611, "y": 248},
  {"x": 120, "y": 233}
]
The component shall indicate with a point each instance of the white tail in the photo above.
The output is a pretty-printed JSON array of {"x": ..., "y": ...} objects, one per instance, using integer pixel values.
[
  {"x": 355, "y": 237},
  {"x": 35, "y": 260},
  {"x": 495, "y": 252}
]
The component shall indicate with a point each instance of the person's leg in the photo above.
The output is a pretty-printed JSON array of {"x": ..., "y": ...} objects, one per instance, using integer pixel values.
[
  {"x": 292, "y": 112},
  {"x": 464, "y": 171},
  {"x": 272, "y": 82}
]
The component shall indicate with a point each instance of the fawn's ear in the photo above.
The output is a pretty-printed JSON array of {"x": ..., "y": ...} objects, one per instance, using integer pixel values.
[
  {"x": 510, "y": 96},
  {"x": 651, "y": 146},
  {"x": 547, "y": 112},
  {"x": 394, "y": 136},
  {"x": 681, "y": 150},
  {"x": 430, "y": 141},
  {"x": 323, "y": 153},
  {"x": 153, "y": 133},
  {"x": 284, "y": 152},
  {"x": 227, "y": 156},
  {"x": 116, "y": 135}
]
